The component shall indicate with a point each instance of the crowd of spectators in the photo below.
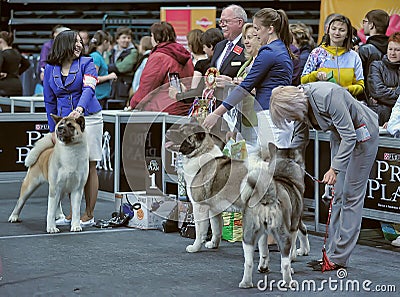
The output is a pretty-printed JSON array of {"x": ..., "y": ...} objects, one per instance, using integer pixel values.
[
  {"x": 336, "y": 58},
  {"x": 123, "y": 74}
]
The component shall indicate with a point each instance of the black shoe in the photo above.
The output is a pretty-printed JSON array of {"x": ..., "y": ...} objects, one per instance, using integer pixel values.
[
  {"x": 119, "y": 221},
  {"x": 314, "y": 262},
  {"x": 102, "y": 224}
]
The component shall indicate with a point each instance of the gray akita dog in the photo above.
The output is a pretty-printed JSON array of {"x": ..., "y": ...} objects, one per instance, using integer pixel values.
[
  {"x": 275, "y": 207},
  {"x": 216, "y": 183}
]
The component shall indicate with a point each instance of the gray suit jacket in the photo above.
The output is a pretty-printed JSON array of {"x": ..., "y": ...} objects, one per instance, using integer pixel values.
[{"x": 336, "y": 110}]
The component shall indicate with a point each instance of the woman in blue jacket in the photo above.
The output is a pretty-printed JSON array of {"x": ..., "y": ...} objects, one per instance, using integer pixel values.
[
  {"x": 272, "y": 67},
  {"x": 69, "y": 90}
]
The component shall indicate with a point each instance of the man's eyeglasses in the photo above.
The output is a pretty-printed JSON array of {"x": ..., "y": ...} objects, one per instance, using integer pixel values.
[{"x": 226, "y": 21}]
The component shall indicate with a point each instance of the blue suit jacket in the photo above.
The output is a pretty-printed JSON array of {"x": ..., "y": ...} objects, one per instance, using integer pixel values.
[
  {"x": 79, "y": 89},
  {"x": 272, "y": 67}
]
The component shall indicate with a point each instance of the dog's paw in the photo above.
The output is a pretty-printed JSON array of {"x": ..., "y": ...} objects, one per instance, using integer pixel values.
[
  {"x": 288, "y": 281},
  {"x": 292, "y": 284},
  {"x": 245, "y": 285},
  {"x": 14, "y": 219},
  {"x": 211, "y": 245},
  {"x": 192, "y": 248},
  {"x": 52, "y": 229},
  {"x": 263, "y": 269},
  {"x": 77, "y": 228},
  {"x": 302, "y": 252}
]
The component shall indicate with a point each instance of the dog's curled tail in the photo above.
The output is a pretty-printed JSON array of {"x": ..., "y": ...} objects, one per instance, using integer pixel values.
[{"x": 40, "y": 146}]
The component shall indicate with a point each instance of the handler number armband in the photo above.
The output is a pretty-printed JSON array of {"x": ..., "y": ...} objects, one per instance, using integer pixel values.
[
  {"x": 362, "y": 133},
  {"x": 89, "y": 81}
]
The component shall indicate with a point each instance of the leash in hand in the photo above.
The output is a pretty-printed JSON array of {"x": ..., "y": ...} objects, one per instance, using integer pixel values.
[
  {"x": 313, "y": 177},
  {"x": 327, "y": 265}
]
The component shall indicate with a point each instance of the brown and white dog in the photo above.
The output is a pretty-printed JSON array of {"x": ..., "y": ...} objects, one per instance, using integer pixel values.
[
  {"x": 268, "y": 190},
  {"x": 213, "y": 181},
  {"x": 64, "y": 165}
]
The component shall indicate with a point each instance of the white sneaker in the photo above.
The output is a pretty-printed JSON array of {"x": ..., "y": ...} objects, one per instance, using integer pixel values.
[
  {"x": 63, "y": 222},
  {"x": 396, "y": 242},
  {"x": 89, "y": 223}
]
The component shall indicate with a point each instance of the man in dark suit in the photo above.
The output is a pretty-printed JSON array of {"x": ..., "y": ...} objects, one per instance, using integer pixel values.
[{"x": 229, "y": 55}]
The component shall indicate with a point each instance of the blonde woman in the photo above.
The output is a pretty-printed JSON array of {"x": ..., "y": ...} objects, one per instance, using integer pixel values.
[
  {"x": 354, "y": 143},
  {"x": 249, "y": 116}
]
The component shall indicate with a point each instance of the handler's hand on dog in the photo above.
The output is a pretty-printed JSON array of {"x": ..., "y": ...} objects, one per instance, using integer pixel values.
[
  {"x": 75, "y": 114},
  {"x": 210, "y": 121},
  {"x": 330, "y": 177}
]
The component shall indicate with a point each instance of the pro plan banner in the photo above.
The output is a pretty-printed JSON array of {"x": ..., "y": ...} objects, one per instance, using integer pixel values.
[
  {"x": 185, "y": 19},
  {"x": 383, "y": 186},
  {"x": 383, "y": 192},
  {"x": 17, "y": 139}
]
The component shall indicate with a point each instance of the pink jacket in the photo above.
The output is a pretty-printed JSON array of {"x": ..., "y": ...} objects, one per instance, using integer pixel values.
[{"x": 152, "y": 95}]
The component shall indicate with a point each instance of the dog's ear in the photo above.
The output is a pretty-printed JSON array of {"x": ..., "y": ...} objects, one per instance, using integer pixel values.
[
  {"x": 299, "y": 155},
  {"x": 201, "y": 135},
  {"x": 81, "y": 122},
  {"x": 55, "y": 118},
  {"x": 272, "y": 148},
  {"x": 199, "y": 131}
]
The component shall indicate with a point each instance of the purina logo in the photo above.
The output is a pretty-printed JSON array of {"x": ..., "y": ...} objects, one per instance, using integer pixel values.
[
  {"x": 153, "y": 166},
  {"x": 41, "y": 127},
  {"x": 391, "y": 157},
  {"x": 204, "y": 22}
]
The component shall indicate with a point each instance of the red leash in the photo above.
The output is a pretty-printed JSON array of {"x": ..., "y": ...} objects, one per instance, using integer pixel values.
[{"x": 326, "y": 263}]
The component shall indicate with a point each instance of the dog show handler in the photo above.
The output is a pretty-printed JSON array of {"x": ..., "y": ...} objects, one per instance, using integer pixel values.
[
  {"x": 354, "y": 140},
  {"x": 69, "y": 90}
]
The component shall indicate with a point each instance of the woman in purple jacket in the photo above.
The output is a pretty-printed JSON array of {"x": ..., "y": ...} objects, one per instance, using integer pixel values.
[
  {"x": 69, "y": 90},
  {"x": 272, "y": 67}
]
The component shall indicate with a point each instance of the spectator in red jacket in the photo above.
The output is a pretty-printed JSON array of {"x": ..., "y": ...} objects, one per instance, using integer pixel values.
[{"x": 167, "y": 56}]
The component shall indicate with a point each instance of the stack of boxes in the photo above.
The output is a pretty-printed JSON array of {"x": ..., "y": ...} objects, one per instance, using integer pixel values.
[{"x": 151, "y": 213}]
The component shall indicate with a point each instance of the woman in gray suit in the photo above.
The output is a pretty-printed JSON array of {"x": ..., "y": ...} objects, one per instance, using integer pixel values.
[{"x": 354, "y": 140}]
